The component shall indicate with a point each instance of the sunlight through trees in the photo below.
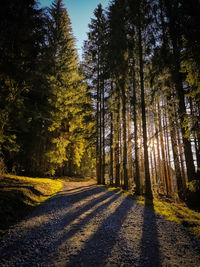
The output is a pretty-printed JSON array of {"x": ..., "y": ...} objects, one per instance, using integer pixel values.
[{"x": 129, "y": 111}]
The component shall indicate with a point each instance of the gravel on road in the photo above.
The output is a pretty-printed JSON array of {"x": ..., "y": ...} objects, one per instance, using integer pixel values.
[{"x": 86, "y": 225}]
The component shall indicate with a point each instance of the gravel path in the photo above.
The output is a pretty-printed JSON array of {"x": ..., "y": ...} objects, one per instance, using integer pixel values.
[{"x": 86, "y": 225}]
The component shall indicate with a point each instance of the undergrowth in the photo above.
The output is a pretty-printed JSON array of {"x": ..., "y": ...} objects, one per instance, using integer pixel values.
[{"x": 20, "y": 195}]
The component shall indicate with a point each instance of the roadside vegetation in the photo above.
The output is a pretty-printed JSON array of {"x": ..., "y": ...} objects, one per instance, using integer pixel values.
[
  {"x": 173, "y": 211},
  {"x": 20, "y": 195}
]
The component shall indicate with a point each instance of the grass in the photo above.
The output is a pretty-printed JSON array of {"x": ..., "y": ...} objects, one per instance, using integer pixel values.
[
  {"x": 179, "y": 213},
  {"x": 20, "y": 195},
  {"x": 78, "y": 179},
  {"x": 176, "y": 212}
]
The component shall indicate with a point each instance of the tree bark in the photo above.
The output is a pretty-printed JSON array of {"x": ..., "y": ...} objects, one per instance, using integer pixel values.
[
  {"x": 137, "y": 171},
  {"x": 116, "y": 144},
  {"x": 148, "y": 191},
  {"x": 124, "y": 136}
]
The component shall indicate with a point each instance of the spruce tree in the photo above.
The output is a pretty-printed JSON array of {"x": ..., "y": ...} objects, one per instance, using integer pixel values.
[
  {"x": 67, "y": 97},
  {"x": 21, "y": 38},
  {"x": 94, "y": 62}
]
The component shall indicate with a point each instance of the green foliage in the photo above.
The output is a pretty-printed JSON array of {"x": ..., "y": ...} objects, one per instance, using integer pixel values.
[
  {"x": 57, "y": 153},
  {"x": 43, "y": 99},
  {"x": 88, "y": 163},
  {"x": 194, "y": 186},
  {"x": 21, "y": 38},
  {"x": 193, "y": 194},
  {"x": 66, "y": 131},
  {"x": 2, "y": 166},
  {"x": 192, "y": 78}
]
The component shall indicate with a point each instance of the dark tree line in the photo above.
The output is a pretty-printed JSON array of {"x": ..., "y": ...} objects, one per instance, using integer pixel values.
[
  {"x": 46, "y": 119},
  {"x": 142, "y": 62}
]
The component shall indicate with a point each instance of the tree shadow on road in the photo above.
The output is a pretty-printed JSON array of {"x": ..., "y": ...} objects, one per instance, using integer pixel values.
[
  {"x": 97, "y": 249},
  {"x": 80, "y": 225},
  {"x": 79, "y": 189},
  {"x": 150, "y": 247},
  {"x": 39, "y": 228}
]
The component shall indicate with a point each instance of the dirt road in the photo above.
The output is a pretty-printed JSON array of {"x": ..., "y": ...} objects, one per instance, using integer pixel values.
[{"x": 86, "y": 225}]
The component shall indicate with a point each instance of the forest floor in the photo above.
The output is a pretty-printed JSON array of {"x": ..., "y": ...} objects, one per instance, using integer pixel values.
[{"x": 87, "y": 225}]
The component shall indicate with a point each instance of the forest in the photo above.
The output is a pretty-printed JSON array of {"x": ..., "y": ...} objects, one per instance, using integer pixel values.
[{"x": 127, "y": 113}]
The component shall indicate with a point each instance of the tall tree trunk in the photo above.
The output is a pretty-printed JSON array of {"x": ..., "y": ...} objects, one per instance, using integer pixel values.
[
  {"x": 163, "y": 151},
  {"x": 137, "y": 171},
  {"x": 97, "y": 147},
  {"x": 167, "y": 148},
  {"x": 152, "y": 158},
  {"x": 141, "y": 159},
  {"x": 130, "y": 165},
  {"x": 175, "y": 35},
  {"x": 155, "y": 165},
  {"x": 121, "y": 150},
  {"x": 111, "y": 148},
  {"x": 179, "y": 181},
  {"x": 196, "y": 139},
  {"x": 103, "y": 135},
  {"x": 181, "y": 153},
  {"x": 161, "y": 183},
  {"x": 100, "y": 133},
  {"x": 116, "y": 144},
  {"x": 197, "y": 150},
  {"x": 124, "y": 136},
  {"x": 98, "y": 151},
  {"x": 148, "y": 191},
  {"x": 111, "y": 138}
]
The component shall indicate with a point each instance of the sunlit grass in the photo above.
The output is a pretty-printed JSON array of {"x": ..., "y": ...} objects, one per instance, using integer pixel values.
[
  {"x": 179, "y": 213},
  {"x": 78, "y": 179},
  {"x": 36, "y": 190},
  {"x": 19, "y": 195},
  {"x": 176, "y": 212}
]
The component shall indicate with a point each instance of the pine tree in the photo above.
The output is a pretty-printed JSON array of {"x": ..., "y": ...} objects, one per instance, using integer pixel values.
[
  {"x": 119, "y": 65},
  {"x": 21, "y": 38},
  {"x": 68, "y": 95},
  {"x": 94, "y": 57}
]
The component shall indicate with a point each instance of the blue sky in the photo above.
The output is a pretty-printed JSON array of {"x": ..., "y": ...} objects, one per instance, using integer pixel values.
[{"x": 80, "y": 12}]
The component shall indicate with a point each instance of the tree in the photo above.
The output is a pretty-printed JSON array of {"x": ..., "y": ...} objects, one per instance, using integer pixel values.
[
  {"x": 148, "y": 191},
  {"x": 94, "y": 61},
  {"x": 119, "y": 69},
  {"x": 68, "y": 99},
  {"x": 21, "y": 38},
  {"x": 175, "y": 30}
]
